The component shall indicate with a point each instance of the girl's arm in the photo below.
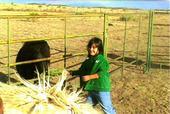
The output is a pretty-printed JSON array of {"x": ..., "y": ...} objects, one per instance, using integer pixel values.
[
  {"x": 75, "y": 72},
  {"x": 89, "y": 77}
]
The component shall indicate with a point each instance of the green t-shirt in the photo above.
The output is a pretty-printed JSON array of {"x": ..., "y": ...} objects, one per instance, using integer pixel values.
[{"x": 93, "y": 65}]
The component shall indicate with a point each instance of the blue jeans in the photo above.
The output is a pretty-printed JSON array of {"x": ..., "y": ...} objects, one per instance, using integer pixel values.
[{"x": 104, "y": 99}]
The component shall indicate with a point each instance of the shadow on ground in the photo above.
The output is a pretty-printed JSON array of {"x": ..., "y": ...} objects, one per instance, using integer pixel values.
[
  {"x": 4, "y": 78},
  {"x": 139, "y": 62}
]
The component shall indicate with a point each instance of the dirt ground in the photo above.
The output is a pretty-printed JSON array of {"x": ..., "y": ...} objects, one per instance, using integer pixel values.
[{"x": 133, "y": 91}]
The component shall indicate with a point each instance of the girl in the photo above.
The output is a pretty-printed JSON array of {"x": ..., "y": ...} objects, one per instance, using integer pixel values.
[{"x": 95, "y": 77}]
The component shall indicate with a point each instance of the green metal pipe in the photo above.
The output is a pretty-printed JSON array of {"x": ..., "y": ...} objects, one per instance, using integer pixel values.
[
  {"x": 151, "y": 38},
  {"x": 149, "y": 44},
  {"x": 65, "y": 41},
  {"x": 49, "y": 16},
  {"x": 124, "y": 46},
  {"x": 59, "y": 37},
  {"x": 105, "y": 34},
  {"x": 30, "y": 61},
  {"x": 138, "y": 40},
  {"x": 45, "y": 59},
  {"x": 8, "y": 41}
]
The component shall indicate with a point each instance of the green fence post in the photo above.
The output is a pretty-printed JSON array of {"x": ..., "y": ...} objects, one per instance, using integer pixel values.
[
  {"x": 149, "y": 44},
  {"x": 124, "y": 46},
  {"x": 65, "y": 41},
  {"x": 138, "y": 40},
  {"x": 105, "y": 34},
  {"x": 8, "y": 41}
]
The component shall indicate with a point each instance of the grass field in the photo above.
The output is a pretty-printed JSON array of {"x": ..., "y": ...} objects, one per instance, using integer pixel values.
[{"x": 133, "y": 92}]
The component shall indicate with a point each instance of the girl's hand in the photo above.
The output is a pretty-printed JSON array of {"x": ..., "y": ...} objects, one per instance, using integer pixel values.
[
  {"x": 86, "y": 78},
  {"x": 89, "y": 77}
]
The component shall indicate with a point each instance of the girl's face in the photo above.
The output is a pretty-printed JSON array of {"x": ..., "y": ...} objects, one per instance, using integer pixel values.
[{"x": 93, "y": 50}]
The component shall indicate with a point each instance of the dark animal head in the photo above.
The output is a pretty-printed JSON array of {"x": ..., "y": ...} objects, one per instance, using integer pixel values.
[{"x": 31, "y": 51}]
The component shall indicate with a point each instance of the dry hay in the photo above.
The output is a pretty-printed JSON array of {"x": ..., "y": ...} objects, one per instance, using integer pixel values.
[{"x": 43, "y": 98}]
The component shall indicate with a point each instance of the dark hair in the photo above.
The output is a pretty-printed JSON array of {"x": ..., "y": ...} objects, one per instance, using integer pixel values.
[{"x": 98, "y": 42}]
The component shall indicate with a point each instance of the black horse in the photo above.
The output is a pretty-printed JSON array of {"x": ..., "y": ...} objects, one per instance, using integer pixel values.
[{"x": 30, "y": 51}]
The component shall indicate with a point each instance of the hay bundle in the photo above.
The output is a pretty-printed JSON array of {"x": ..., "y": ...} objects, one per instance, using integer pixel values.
[{"x": 43, "y": 98}]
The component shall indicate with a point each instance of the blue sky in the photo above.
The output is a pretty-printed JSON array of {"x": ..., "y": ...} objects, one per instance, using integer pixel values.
[{"x": 142, "y": 4}]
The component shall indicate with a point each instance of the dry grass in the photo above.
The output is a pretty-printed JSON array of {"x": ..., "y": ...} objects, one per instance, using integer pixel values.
[{"x": 43, "y": 98}]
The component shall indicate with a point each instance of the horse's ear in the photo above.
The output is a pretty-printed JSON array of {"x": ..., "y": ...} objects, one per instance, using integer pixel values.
[{"x": 1, "y": 107}]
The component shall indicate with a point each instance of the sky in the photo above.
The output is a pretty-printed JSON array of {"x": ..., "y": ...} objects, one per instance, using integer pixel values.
[{"x": 141, "y": 4}]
